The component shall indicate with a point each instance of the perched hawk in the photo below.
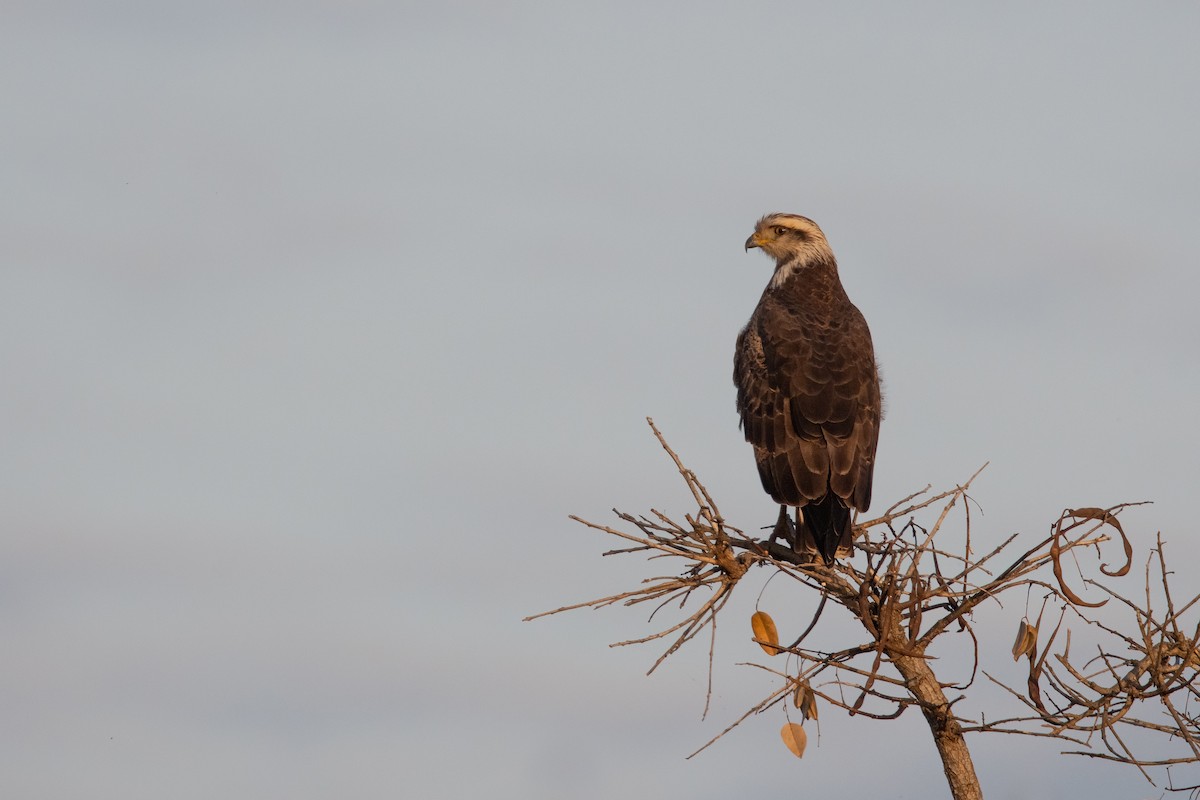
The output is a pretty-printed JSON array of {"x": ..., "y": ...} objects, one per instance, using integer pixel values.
[{"x": 808, "y": 388}]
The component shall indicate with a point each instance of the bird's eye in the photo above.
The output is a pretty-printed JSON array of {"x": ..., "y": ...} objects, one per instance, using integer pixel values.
[{"x": 780, "y": 230}]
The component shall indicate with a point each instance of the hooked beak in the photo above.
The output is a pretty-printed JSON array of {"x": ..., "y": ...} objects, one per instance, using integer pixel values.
[{"x": 752, "y": 242}]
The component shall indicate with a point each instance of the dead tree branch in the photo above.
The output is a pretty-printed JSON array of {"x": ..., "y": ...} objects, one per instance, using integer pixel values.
[{"x": 912, "y": 583}]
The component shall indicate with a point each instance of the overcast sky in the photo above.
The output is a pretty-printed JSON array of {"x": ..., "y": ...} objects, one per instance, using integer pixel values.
[{"x": 317, "y": 320}]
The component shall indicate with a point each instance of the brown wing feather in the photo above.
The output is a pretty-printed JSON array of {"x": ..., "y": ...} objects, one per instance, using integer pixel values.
[{"x": 789, "y": 465}]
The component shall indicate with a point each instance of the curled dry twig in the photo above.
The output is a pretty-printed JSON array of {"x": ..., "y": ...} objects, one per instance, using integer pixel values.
[{"x": 1078, "y": 517}]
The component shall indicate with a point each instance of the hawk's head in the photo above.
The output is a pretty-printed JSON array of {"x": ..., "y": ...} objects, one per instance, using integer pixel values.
[{"x": 789, "y": 237}]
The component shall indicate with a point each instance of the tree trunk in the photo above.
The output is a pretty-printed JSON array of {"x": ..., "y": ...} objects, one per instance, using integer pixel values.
[{"x": 947, "y": 733}]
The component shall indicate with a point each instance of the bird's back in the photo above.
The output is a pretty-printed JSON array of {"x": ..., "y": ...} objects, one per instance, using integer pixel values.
[{"x": 809, "y": 400}]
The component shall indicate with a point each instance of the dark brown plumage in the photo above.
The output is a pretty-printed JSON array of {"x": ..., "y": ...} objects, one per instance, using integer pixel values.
[{"x": 808, "y": 387}]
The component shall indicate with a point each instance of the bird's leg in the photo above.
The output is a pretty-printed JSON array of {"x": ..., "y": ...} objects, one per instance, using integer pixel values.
[{"x": 784, "y": 529}]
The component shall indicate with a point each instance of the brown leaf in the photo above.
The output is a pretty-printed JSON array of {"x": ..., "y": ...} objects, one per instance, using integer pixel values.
[
  {"x": 1026, "y": 643},
  {"x": 1107, "y": 518},
  {"x": 1056, "y": 562},
  {"x": 805, "y": 699},
  {"x": 1034, "y": 691},
  {"x": 765, "y": 632},
  {"x": 795, "y": 738}
]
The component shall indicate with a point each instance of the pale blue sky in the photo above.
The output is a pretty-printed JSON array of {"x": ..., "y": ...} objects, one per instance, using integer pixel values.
[{"x": 318, "y": 320}]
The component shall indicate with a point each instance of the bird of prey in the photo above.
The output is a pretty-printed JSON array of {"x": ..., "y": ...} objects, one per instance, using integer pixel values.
[{"x": 808, "y": 389}]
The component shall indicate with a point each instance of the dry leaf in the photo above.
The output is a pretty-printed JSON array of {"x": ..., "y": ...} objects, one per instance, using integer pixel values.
[
  {"x": 805, "y": 700},
  {"x": 1104, "y": 516},
  {"x": 765, "y": 632},
  {"x": 1061, "y": 529},
  {"x": 795, "y": 738},
  {"x": 810, "y": 705},
  {"x": 1026, "y": 643}
]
